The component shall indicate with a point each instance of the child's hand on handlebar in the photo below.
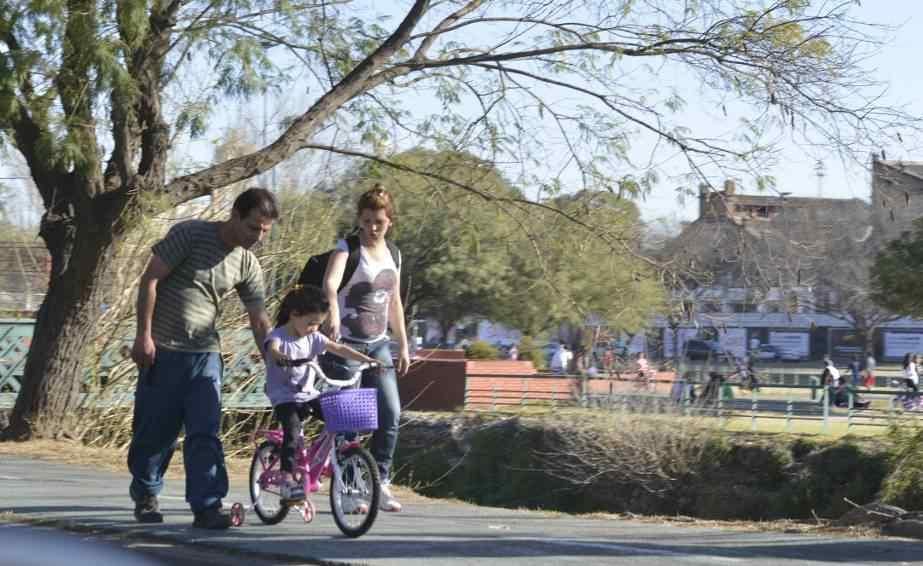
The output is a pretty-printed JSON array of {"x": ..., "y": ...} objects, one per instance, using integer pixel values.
[{"x": 281, "y": 360}]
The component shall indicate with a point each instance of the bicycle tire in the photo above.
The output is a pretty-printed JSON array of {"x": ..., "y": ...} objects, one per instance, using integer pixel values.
[
  {"x": 263, "y": 453},
  {"x": 368, "y": 486}
]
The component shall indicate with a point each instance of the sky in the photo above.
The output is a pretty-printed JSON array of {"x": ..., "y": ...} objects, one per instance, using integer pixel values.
[
  {"x": 897, "y": 63},
  {"x": 796, "y": 170}
]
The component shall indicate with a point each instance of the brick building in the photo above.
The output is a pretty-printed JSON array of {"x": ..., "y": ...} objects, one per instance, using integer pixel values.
[
  {"x": 897, "y": 197},
  {"x": 769, "y": 268}
]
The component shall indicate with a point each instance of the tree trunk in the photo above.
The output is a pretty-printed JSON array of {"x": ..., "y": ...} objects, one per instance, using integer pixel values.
[{"x": 81, "y": 250}]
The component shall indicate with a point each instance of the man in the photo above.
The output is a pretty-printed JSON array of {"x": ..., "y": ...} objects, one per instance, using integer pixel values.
[
  {"x": 178, "y": 352},
  {"x": 560, "y": 361},
  {"x": 869, "y": 370}
]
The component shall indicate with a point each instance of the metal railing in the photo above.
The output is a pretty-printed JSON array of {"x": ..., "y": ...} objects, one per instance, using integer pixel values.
[
  {"x": 780, "y": 397},
  {"x": 242, "y": 386}
]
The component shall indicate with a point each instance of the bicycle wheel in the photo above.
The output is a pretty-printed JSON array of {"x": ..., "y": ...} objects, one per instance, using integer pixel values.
[
  {"x": 265, "y": 480},
  {"x": 355, "y": 491}
]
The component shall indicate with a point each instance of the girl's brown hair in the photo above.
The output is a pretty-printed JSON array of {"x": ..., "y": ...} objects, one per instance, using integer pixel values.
[
  {"x": 376, "y": 198},
  {"x": 302, "y": 300}
]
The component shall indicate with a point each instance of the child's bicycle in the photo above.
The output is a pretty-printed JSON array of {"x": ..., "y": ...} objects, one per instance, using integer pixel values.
[{"x": 355, "y": 487}]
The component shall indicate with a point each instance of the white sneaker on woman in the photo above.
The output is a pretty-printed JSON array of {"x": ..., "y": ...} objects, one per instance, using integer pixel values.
[
  {"x": 388, "y": 502},
  {"x": 353, "y": 505}
]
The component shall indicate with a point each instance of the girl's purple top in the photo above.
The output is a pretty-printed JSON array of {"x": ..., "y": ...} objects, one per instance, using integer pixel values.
[{"x": 290, "y": 384}]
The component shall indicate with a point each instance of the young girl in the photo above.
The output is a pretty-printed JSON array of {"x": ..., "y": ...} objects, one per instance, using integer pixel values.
[
  {"x": 361, "y": 312},
  {"x": 296, "y": 336}
]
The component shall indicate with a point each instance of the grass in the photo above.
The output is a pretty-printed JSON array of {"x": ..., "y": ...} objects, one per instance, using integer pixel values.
[
  {"x": 837, "y": 425},
  {"x": 835, "y": 428}
]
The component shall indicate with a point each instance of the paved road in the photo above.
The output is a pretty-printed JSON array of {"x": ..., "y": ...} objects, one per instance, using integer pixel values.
[{"x": 427, "y": 532}]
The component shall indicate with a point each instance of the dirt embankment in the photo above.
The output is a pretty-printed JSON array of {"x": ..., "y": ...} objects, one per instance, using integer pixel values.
[{"x": 641, "y": 465}]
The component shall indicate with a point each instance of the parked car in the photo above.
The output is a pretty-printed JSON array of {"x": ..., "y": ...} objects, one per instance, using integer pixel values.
[
  {"x": 701, "y": 349},
  {"x": 772, "y": 352}
]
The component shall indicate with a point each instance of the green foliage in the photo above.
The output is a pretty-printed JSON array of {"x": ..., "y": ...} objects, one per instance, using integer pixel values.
[
  {"x": 562, "y": 272},
  {"x": 828, "y": 475},
  {"x": 896, "y": 274},
  {"x": 529, "y": 351},
  {"x": 903, "y": 486},
  {"x": 98, "y": 91},
  {"x": 453, "y": 242},
  {"x": 480, "y": 350},
  {"x": 485, "y": 254}
]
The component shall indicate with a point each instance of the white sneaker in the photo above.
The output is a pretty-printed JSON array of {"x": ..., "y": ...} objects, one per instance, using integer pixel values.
[
  {"x": 352, "y": 505},
  {"x": 292, "y": 492},
  {"x": 388, "y": 502}
]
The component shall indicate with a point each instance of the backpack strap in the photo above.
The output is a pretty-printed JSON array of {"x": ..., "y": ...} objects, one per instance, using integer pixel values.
[
  {"x": 395, "y": 254},
  {"x": 352, "y": 260}
]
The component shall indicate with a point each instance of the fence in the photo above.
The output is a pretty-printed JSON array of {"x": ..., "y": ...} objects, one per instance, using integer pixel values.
[
  {"x": 788, "y": 397},
  {"x": 103, "y": 386},
  {"x": 15, "y": 339}
]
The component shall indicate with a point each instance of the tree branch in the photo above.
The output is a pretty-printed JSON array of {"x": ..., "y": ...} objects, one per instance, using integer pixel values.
[
  {"x": 468, "y": 188},
  {"x": 234, "y": 170},
  {"x": 27, "y": 131},
  {"x": 75, "y": 90}
]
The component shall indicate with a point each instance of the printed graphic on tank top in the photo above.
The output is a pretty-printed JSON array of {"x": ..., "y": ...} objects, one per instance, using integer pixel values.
[{"x": 365, "y": 301}]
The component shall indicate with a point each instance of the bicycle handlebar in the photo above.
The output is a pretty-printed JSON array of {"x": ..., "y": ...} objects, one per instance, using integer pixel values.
[{"x": 319, "y": 373}]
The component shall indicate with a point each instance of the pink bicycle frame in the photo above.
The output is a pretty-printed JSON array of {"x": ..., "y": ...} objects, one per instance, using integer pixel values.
[{"x": 310, "y": 463}]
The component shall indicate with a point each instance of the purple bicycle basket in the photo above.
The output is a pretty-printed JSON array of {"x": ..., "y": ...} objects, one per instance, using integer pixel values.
[{"x": 350, "y": 410}]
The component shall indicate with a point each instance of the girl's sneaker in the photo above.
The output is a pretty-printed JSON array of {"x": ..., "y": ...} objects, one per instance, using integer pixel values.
[
  {"x": 388, "y": 502},
  {"x": 292, "y": 492}
]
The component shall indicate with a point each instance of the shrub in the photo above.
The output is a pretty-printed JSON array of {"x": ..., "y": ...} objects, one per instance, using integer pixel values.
[
  {"x": 528, "y": 351},
  {"x": 650, "y": 464},
  {"x": 902, "y": 487},
  {"x": 480, "y": 350}
]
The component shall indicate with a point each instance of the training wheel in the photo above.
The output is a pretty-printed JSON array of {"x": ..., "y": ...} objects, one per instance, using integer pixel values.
[
  {"x": 308, "y": 511},
  {"x": 238, "y": 514}
]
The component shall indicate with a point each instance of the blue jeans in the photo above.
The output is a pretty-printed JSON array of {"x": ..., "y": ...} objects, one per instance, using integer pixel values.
[
  {"x": 181, "y": 389},
  {"x": 384, "y": 440}
]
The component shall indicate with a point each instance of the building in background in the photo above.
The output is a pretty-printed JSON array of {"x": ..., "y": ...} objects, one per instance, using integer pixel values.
[{"x": 791, "y": 272}]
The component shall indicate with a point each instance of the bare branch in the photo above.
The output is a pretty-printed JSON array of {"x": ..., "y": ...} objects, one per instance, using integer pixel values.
[{"x": 353, "y": 84}]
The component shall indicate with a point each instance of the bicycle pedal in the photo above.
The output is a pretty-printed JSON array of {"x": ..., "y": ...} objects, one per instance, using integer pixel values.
[{"x": 347, "y": 445}]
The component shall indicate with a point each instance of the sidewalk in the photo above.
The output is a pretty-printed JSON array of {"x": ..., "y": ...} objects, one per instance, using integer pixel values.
[{"x": 426, "y": 532}]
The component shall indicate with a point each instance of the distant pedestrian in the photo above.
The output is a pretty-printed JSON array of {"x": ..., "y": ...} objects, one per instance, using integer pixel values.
[
  {"x": 514, "y": 353},
  {"x": 608, "y": 361},
  {"x": 911, "y": 377},
  {"x": 855, "y": 367},
  {"x": 560, "y": 361},
  {"x": 870, "y": 366},
  {"x": 643, "y": 367},
  {"x": 829, "y": 379},
  {"x": 831, "y": 375}
]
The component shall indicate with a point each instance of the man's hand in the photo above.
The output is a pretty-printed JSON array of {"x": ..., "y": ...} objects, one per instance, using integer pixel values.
[
  {"x": 143, "y": 350},
  {"x": 403, "y": 361},
  {"x": 331, "y": 328}
]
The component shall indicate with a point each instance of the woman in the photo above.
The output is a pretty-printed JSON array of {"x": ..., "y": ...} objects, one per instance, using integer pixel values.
[
  {"x": 359, "y": 315},
  {"x": 911, "y": 378}
]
